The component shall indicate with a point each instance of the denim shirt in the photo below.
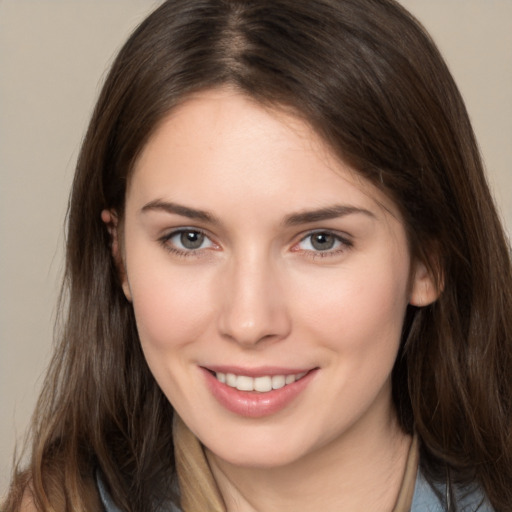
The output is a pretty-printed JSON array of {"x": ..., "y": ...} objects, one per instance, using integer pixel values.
[{"x": 425, "y": 499}]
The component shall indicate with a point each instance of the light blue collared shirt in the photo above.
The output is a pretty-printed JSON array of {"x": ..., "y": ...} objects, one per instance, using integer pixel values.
[{"x": 425, "y": 499}]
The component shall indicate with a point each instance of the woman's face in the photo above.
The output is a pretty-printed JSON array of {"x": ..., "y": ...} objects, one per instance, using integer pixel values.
[{"x": 269, "y": 282}]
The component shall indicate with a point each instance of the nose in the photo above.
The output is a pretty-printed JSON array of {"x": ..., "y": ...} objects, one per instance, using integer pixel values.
[{"x": 253, "y": 305}]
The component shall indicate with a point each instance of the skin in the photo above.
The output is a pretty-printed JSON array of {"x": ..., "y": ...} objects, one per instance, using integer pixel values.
[{"x": 257, "y": 292}]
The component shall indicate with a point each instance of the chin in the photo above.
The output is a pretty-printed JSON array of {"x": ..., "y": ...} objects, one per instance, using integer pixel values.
[{"x": 255, "y": 457}]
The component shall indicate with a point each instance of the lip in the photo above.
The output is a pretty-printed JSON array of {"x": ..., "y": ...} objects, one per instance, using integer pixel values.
[{"x": 251, "y": 404}]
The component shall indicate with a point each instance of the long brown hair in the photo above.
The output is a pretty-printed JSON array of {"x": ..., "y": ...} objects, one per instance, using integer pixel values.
[{"x": 368, "y": 78}]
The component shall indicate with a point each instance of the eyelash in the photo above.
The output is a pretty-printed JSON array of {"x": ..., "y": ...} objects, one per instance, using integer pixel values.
[
  {"x": 172, "y": 248},
  {"x": 343, "y": 244}
]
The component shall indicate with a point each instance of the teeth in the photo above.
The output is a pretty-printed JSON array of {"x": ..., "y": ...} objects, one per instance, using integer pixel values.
[
  {"x": 244, "y": 383},
  {"x": 259, "y": 384},
  {"x": 289, "y": 379},
  {"x": 231, "y": 380},
  {"x": 263, "y": 384},
  {"x": 278, "y": 381}
]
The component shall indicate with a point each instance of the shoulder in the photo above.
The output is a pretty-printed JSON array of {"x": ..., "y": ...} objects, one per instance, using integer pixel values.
[
  {"x": 109, "y": 505},
  {"x": 27, "y": 503},
  {"x": 428, "y": 498},
  {"x": 106, "y": 499},
  {"x": 23, "y": 498},
  {"x": 20, "y": 497}
]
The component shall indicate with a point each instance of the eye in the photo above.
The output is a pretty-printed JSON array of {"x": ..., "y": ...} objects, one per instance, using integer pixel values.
[
  {"x": 187, "y": 240},
  {"x": 323, "y": 241}
]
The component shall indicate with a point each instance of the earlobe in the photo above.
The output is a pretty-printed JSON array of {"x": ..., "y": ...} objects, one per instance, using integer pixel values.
[
  {"x": 110, "y": 218},
  {"x": 425, "y": 288}
]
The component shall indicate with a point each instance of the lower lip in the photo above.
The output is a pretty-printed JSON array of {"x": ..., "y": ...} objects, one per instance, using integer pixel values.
[{"x": 252, "y": 404}]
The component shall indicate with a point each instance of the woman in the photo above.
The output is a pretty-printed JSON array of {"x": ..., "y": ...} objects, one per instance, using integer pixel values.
[{"x": 288, "y": 285}]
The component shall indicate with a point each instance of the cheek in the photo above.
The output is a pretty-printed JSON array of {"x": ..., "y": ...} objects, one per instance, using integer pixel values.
[
  {"x": 171, "y": 307},
  {"x": 172, "y": 311},
  {"x": 359, "y": 310}
]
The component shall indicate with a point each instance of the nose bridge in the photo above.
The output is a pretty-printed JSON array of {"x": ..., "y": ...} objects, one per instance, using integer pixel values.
[{"x": 253, "y": 307}]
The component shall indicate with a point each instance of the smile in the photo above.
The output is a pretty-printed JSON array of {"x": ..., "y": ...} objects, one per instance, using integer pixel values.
[
  {"x": 261, "y": 384},
  {"x": 263, "y": 392}
]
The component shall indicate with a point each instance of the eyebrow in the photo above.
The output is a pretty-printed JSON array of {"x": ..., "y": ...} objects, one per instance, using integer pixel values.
[
  {"x": 330, "y": 212},
  {"x": 178, "y": 209},
  {"x": 294, "y": 219}
]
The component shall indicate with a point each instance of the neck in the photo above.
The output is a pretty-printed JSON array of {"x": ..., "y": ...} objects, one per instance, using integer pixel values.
[{"x": 359, "y": 471}]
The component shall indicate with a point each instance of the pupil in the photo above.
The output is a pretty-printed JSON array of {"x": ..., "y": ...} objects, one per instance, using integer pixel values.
[
  {"x": 322, "y": 241},
  {"x": 191, "y": 239}
]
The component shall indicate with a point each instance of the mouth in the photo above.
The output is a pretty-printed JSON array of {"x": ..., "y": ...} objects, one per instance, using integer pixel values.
[
  {"x": 262, "y": 384},
  {"x": 257, "y": 392}
]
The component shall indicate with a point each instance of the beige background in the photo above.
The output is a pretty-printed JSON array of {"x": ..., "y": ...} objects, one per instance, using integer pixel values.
[{"x": 53, "y": 55}]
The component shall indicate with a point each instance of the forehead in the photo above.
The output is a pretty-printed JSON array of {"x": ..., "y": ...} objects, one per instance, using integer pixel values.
[{"x": 224, "y": 140}]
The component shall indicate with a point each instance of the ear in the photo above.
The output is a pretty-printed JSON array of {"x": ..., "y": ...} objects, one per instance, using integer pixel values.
[
  {"x": 425, "y": 288},
  {"x": 111, "y": 220}
]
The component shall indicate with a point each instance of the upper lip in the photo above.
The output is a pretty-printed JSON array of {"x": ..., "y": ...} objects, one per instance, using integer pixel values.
[{"x": 258, "y": 371}]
